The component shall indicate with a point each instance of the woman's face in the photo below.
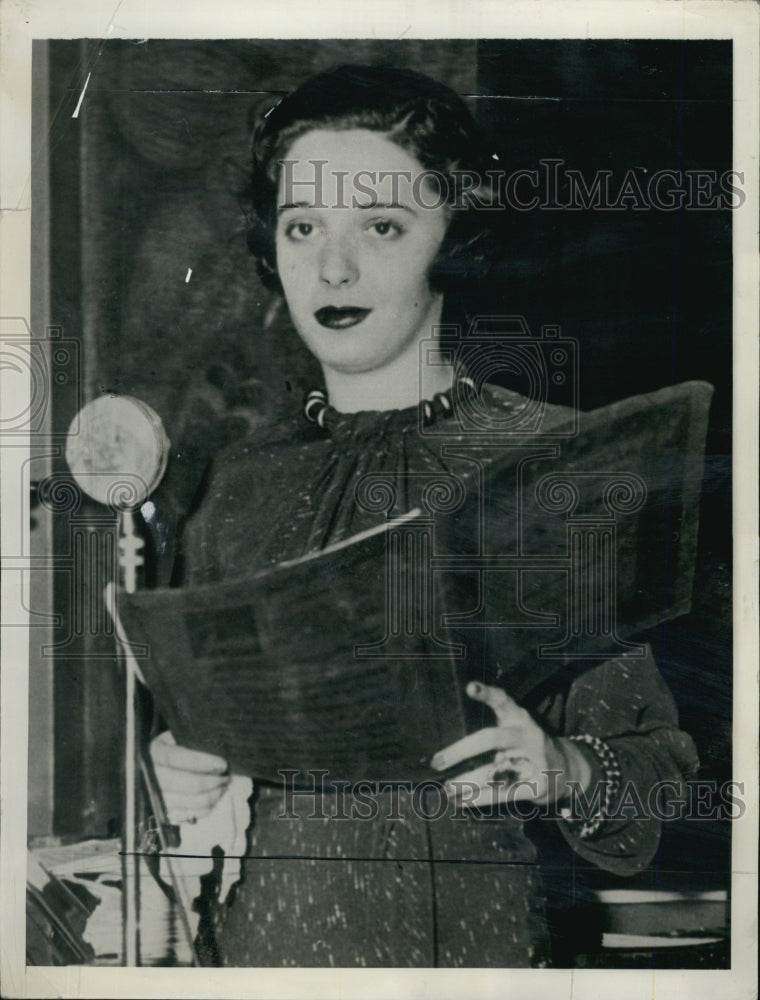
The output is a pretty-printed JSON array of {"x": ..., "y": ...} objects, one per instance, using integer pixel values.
[{"x": 355, "y": 243}]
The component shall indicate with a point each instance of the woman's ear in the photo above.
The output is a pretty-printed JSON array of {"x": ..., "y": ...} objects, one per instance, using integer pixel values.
[{"x": 274, "y": 310}]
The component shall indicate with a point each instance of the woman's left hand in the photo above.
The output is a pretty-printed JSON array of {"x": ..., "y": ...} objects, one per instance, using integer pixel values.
[{"x": 524, "y": 754}]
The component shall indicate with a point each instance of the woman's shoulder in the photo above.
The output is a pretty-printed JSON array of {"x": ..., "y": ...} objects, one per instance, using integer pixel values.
[
  {"x": 535, "y": 411},
  {"x": 267, "y": 441},
  {"x": 248, "y": 476}
]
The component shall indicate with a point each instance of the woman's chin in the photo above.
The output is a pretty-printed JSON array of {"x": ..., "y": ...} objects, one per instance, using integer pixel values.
[{"x": 345, "y": 352}]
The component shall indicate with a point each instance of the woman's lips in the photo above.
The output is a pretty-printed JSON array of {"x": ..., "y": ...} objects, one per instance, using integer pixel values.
[{"x": 335, "y": 318}]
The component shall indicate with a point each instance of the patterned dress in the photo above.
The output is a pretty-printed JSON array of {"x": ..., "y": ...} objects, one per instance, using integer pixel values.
[{"x": 338, "y": 882}]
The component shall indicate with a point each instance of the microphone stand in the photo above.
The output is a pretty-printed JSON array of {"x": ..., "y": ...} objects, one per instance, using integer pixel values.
[
  {"x": 124, "y": 432},
  {"x": 130, "y": 560}
]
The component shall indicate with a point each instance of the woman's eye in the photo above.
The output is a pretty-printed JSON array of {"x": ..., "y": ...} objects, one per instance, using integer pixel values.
[
  {"x": 384, "y": 227},
  {"x": 299, "y": 231}
]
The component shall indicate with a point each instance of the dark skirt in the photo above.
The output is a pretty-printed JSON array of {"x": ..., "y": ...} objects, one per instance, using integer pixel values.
[{"x": 327, "y": 883}]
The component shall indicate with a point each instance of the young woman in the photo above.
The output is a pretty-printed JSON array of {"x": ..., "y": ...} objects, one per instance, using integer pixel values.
[{"x": 360, "y": 188}]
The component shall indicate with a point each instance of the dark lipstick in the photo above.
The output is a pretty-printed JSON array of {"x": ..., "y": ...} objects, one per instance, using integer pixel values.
[{"x": 335, "y": 318}]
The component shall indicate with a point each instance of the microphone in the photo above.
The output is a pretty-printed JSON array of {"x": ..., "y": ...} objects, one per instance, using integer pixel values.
[{"x": 117, "y": 451}]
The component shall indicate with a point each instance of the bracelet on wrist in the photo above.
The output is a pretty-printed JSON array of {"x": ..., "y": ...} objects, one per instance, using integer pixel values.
[{"x": 589, "y": 825}]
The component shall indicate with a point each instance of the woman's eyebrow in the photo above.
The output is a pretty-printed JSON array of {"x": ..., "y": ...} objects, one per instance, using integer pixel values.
[
  {"x": 293, "y": 204},
  {"x": 387, "y": 204},
  {"x": 363, "y": 205}
]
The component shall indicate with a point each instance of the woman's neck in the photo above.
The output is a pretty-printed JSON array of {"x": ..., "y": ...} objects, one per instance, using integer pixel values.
[{"x": 393, "y": 387}]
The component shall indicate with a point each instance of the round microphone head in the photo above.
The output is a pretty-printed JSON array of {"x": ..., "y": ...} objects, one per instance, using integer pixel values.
[{"x": 117, "y": 450}]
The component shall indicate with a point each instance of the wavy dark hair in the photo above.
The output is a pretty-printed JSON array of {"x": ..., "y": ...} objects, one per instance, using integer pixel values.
[{"x": 425, "y": 118}]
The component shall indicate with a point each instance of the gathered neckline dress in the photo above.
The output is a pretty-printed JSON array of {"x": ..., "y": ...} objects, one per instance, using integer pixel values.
[{"x": 399, "y": 889}]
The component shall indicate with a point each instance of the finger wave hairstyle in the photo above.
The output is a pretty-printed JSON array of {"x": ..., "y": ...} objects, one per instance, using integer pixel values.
[{"x": 425, "y": 118}]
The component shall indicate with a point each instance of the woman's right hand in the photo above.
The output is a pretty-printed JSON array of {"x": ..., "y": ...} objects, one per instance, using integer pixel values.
[{"x": 191, "y": 782}]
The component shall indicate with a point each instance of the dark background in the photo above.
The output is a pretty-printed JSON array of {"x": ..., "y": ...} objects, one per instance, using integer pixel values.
[{"x": 143, "y": 185}]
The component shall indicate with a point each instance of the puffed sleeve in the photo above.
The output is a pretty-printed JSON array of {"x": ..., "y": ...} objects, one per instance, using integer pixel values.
[
  {"x": 219, "y": 528},
  {"x": 626, "y": 703},
  {"x": 198, "y": 548}
]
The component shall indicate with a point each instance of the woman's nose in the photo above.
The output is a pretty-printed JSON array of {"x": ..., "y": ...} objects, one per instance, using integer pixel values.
[{"x": 337, "y": 265}]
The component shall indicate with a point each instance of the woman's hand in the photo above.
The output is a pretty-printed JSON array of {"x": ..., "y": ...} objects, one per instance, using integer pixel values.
[
  {"x": 524, "y": 754},
  {"x": 191, "y": 782}
]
